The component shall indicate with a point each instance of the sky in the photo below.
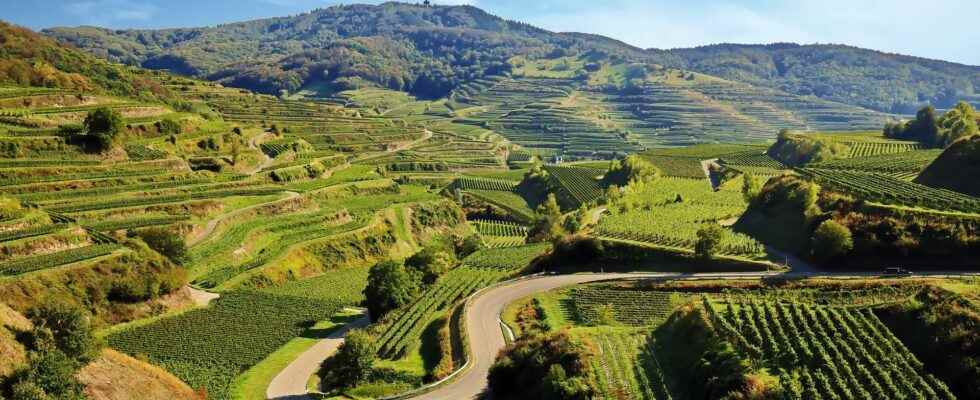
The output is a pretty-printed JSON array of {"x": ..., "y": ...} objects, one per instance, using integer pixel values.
[{"x": 941, "y": 29}]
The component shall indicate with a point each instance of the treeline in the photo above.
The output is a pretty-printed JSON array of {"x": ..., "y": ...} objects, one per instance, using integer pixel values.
[
  {"x": 936, "y": 130},
  {"x": 426, "y": 51}
]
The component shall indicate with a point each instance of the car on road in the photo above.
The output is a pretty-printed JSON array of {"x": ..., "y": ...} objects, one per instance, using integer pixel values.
[{"x": 895, "y": 271}]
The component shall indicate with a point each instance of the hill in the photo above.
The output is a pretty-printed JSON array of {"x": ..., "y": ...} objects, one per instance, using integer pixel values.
[
  {"x": 430, "y": 50},
  {"x": 423, "y": 50},
  {"x": 886, "y": 82},
  {"x": 957, "y": 168},
  {"x": 30, "y": 59}
]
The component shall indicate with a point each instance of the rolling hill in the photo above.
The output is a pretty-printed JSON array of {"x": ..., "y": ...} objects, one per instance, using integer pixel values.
[{"x": 431, "y": 50}]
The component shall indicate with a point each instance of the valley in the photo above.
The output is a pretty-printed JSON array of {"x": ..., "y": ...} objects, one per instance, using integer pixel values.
[{"x": 563, "y": 217}]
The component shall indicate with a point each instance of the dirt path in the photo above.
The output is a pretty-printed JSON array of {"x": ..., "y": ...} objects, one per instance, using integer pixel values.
[
  {"x": 200, "y": 297},
  {"x": 212, "y": 224},
  {"x": 291, "y": 381}
]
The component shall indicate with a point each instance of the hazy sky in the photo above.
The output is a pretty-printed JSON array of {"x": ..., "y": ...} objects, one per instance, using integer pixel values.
[{"x": 943, "y": 29}]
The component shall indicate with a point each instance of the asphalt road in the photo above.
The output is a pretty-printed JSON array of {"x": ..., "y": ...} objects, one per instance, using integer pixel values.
[
  {"x": 485, "y": 333},
  {"x": 486, "y": 337}
]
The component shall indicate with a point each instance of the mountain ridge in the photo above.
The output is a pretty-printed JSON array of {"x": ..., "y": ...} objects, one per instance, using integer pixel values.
[{"x": 438, "y": 48}]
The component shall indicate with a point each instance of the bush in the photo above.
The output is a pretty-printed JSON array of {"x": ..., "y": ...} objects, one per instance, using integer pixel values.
[
  {"x": 830, "y": 240},
  {"x": 548, "y": 224},
  {"x": 550, "y": 366},
  {"x": 430, "y": 263},
  {"x": 165, "y": 242},
  {"x": 103, "y": 125},
  {"x": 168, "y": 127},
  {"x": 709, "y": 238},
  {"x": 68, "y": 327},
  {"x": 352, "y": 363},
  {"x": 389, "y": 287},
  {"x": 630, "y": 169}
]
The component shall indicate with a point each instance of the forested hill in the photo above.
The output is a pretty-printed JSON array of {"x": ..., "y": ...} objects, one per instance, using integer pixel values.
[
  {"x": 424, "y": 50},
  {"x": 872, "y": 79},
  {"x": 430, "y": 50},
  {"x": 30, "y": 59}
]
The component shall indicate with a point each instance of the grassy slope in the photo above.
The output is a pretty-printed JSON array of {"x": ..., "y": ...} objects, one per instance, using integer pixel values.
[
  {"x": 957, "y": 168},
  {"x": 116, "y": 376}
]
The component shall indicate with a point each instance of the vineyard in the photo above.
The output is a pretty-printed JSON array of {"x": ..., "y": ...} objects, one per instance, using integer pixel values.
[
  {"x": 904, "y": 165},
  {"x": 670, "y": 211},
  {"x": 576, "y": 185},
  {"x": 403, "y": 329},
  {"x": 626, "y": 367},
  {"x": 890, "y": 190},
  {"x": 829, "y": 352},
  {"x": 629, "y": 307},
  {"x": 196, "y": 346}
]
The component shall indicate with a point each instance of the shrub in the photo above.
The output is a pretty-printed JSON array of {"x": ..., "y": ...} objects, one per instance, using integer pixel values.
[
  {"x": 165, "y": 242},
  {"x": 389, "y": 287},
  {"x": 630, "y": 169},
  {"x": 168, "y": 127},
  {"x": 103, "y": 124},
  {"x": 430, "y": 263},
  {"x": 550, "y": 366},
  {"x": 830, "y": 240},
  {"x": 352, "y": 363},
  {"x": 709, "y": 238},
  {"x": 67, "y": 326}
]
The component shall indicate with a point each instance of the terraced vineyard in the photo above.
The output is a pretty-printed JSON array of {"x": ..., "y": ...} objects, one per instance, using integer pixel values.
[
  {"x": 889, "y": 190},
  {"x": 904, "y": 165},
  {"x": 831, "y": 352},
  {"x": 576, "y": 186},
  {"x": 196, "y": 347},
  {"x": 670, "y": 211},
  {"x": 630, "y": 307}
]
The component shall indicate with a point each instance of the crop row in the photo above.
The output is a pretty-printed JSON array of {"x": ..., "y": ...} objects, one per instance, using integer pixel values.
[
  {"x": 406, "y": 326},
  {"x": 152, "y": 200},
  {"x": 499, "y": 228},
  {"x": 467, "y": 183},
  {"x": 511, "y": 259},
  {"x": 209, "y": 347},
  {"x": 850, "y": 352},
  {"x": 51, "y": 260},
  {"x": 580, "y": 185},
  {"x": 630, "y": 307},
  {"x": 888, "y": 190},
  {"x": 627, "y": 367}
]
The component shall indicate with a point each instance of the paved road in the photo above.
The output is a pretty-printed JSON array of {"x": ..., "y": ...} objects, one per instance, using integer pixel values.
[
  {"x": 486, "y": 338},
  {"x": 291, "y": 381}
]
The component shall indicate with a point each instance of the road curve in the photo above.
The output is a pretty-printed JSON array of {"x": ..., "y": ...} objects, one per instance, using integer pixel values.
[
  {"x": 486, "y": 338},
  {"x": 290, "y": 383},
  {"x": 484, "y": 331}
]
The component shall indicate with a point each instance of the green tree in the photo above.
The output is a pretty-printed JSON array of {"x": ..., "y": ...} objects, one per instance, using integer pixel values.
[
  {"x": 69, "y": 328},
  {"x": 630, "y": 169},
  {"x": 165, "y": 242},
  {"x": 709, "y": 238},
  {"x": 389, "y": 287},
  {"x": 750, "y": 187},
  {"x": 831, "y": 239},
  {"x": 525, "y": 368},
  {"x": 430, "y": 263},
  {"x": 353, "y": 361},
  {"x": 169, "y": 127},
  {"x": 103, "y": 124},
  {"x": 548, "y": 223},
  {"x": 959, "y": 122}
]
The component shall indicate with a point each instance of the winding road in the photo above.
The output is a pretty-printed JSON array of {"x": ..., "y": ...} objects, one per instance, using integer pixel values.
[{"x": 485, "y": 334}]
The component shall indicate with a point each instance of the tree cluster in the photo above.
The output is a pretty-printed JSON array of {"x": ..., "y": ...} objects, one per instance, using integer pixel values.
[
  {"x": 61, "y": 342},
  {"x": 394, "y": 284},
  {"x": 936, "y": 131},
  {"x": 548, "y": 366}
]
